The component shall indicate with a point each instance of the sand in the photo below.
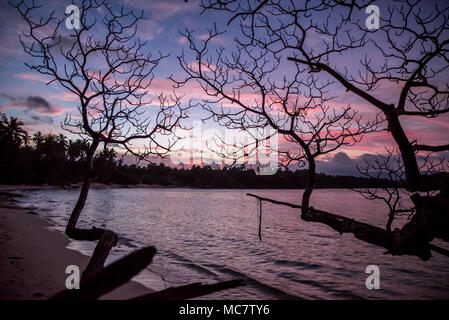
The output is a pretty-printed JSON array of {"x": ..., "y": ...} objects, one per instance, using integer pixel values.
[{"x": 33, "y": 259}]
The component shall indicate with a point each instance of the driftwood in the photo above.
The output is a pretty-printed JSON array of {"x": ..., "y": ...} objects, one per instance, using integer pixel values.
[
  {"x": 100, "y": 254},
  {"x": 121, "y": 271},
  {"x": 390, "y": 240},
  {"x": 111, "y": 277},
  {"x": 191, "y": 291}
]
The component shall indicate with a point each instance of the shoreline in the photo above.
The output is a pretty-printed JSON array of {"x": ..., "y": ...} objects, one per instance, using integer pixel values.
[
  {"x": 33, "y": 258},
  {"x": 21, "y": 187}
]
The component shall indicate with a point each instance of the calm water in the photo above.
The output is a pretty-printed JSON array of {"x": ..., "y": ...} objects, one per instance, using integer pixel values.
[{"x": 212, "y": 235}]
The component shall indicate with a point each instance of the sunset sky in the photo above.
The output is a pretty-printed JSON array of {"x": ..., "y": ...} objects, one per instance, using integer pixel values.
[{"x": 24, "y": 93}]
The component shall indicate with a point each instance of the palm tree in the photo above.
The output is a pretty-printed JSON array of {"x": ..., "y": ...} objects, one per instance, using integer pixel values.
[{"x": 12, "y": 130}]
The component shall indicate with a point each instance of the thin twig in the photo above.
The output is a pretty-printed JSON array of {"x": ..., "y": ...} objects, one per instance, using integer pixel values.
[
  {"x": 274, "y": 201},
  {"x": 260, "y": 219}
]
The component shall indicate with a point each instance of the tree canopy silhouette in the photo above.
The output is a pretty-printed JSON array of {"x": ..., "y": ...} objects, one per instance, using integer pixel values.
[
  {"x": 107, "y": 67},
  {"x": 409, "y": 52}
]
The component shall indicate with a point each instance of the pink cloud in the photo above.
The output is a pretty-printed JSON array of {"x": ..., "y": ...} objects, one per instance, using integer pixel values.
[
  {"x": 64, "y": 96},
  {"x": 162, "y": 9},
  {"x": 31, "y": 76},
  {"x": 149, "y": 29},
  {"x": 182, "y": 40}
]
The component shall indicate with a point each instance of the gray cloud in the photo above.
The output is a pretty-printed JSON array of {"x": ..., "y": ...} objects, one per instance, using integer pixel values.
[
  {"x": 39, "y": 104},
  {"x": 44, "y": 119},
  {"x": 31, "y": 103},
  {"x": 341, "y": 164},
  {"x": 7, "y": 96}
]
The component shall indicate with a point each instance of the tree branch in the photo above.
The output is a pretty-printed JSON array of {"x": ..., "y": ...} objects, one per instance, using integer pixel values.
[{"x": 191, "y": 291}]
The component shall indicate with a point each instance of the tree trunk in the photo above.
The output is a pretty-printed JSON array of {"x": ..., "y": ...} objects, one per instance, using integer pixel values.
[
  {"x": 430, "y": 221},
  {"x": 411, "y": 169},
  {"x": 310, "y": 184},
  {"x": 101, "y": 252},
  {"x": 390, "y": 220},
  {"x": 107, "y": 239},
  {"x": 71, "y": 230}
]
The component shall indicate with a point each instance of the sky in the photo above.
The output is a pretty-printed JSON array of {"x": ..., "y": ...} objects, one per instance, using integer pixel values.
[{"x": 25, "y": 94}]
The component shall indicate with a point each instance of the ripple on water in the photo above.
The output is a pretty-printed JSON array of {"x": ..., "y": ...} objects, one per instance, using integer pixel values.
[{"x": 212, "y": 235}]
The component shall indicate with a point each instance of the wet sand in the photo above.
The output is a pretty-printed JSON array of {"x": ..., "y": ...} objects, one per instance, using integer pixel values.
[{"x": 33, "y": 259}]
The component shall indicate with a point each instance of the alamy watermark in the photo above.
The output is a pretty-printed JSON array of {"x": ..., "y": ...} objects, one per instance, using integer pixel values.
[
  {"x": 372, "y": 22},
  {"x": 73, "y": 280},
  {"x": 373, "y": 280},
  {"x": 73, "y": 19}
]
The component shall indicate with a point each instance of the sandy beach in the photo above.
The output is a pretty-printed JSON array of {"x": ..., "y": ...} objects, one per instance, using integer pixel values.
[{"x": 33, "y": 259}]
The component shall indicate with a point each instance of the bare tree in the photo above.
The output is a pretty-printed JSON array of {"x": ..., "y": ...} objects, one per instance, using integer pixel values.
[
  {"x": 110, "y": 70},
  {"x": 295, "y": 107},
  {"x": 387, "y": 166},
  {"x": 390, "y": 166},
  {"x": 409, "y": 52}
]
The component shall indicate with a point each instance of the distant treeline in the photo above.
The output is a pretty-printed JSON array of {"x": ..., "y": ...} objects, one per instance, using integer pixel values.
[{"x": 56, "y": 160}]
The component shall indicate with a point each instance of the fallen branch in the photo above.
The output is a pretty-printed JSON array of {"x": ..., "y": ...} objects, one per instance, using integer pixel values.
[
  {"x": 191, "y": 291},
  {"x": 363, "y": 231},
  {"x": 100, "y": 254},
  {"x": 440, "y": 250},
  {"x": 274, "y": 201},
  {"x": 111, "y": 277}
]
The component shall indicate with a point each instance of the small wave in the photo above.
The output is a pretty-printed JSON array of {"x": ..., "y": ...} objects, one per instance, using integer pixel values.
[
  {"x": 126, "y": 241},
  {"x": 219, "y": 272},
  {"x": 325, "y": 236},
  {"x": 305, "y": 265},
  {"x": 191, "y": 264},
  {"x": 278, "y": 293},
  {"x": 320, "y": 285},
  {"x": 202, "y": 268}
]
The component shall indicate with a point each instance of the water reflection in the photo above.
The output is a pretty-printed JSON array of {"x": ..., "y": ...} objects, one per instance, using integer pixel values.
[{"x": 210, "y": 235}]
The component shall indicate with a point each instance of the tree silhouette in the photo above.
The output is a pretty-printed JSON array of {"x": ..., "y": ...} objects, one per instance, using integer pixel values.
[
  {"x": 295, "y": 107},
  {"x": 409, "y": 52},
  {"x": 110, "y": 70},
  {"x": 29, "y": 164},
  {"x": 11, "y": 130}
]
